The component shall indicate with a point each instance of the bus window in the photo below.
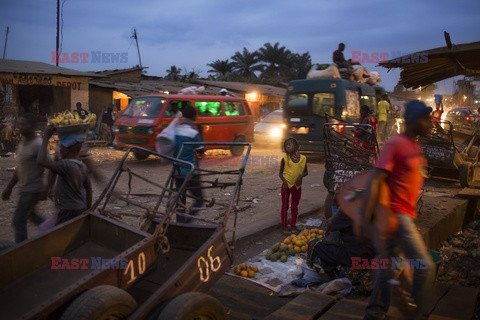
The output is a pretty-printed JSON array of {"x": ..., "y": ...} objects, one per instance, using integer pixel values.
[
  {"x": 370, "y": 102},
  {"x": 298, "y": 100},
  {"x": 208, "y": 108},
  {"x": 323, "y": 103},
  {"x": 234, "y": 109},
  {"x": 353, "y": 104},
  {"x": 175, "y": 106}
]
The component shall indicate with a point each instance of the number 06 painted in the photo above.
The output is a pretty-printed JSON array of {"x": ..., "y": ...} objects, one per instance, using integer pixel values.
[{"x": 204, "y": 265}]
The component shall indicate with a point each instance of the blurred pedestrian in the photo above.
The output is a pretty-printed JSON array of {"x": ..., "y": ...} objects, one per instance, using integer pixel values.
[
  {"x": 81, "y": 112},
  {"x": 402, "y": 166},
  {"x": 73, "y": 190},
  {"x": 29, "y": 176},
  {"x": 293, "y": 168},
  {"x": 437, "y": 113},
  {"x": 383, "y": 108},
  {"x": 186, "y": 131},
  {"x": 106, "y": 127}
]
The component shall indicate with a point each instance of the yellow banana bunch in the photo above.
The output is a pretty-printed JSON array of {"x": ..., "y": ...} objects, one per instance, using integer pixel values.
[
  {"x": 92, "y": 117},
  {"x": 67, "y": 118}
]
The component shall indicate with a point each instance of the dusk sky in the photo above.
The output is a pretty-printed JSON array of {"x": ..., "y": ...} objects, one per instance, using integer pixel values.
[{"x": 192, "y": 33}]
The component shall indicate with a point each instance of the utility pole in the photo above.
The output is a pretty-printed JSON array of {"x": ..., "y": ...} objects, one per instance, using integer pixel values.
[
  {"x": 138, "y": 49},
  {"x": 58, "y": 31},
  {"x": 6, "y": 38}
]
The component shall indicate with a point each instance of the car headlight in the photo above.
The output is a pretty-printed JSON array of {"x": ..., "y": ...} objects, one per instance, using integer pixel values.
[
  {"x": 276, "y": 132},
  {"x": 115, "y": 129},
  {"x": 151, "y": 130}
]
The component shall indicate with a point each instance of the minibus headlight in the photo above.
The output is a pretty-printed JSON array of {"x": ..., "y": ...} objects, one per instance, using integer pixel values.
[
  {"x": 115, "y": 129},
  {"x": 275, "y": 132},
  {"x": 151, "y": 130}
]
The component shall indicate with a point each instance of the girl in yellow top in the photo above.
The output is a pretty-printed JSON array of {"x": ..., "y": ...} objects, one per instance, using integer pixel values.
[{"x": 292, "y": 170}]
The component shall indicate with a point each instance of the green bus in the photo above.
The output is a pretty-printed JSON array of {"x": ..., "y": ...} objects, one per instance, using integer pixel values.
[{"x": 307, "y": 101}]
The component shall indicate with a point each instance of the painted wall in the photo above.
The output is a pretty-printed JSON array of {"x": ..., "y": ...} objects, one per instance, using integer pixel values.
[{"x": 78, "y": 85}]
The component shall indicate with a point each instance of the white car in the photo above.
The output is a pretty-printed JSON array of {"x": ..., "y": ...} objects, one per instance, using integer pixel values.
[{"x": 271, "y": 129}]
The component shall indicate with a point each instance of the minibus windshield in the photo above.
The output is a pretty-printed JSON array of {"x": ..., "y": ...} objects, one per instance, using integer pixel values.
[{"x": 144, "y": 107}]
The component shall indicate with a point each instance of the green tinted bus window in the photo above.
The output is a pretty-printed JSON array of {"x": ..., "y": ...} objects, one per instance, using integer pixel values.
[
  {"x": 233, "y": 109},
  {"x": 323, "y": 103},
  {"x": 208, "y": 108}
]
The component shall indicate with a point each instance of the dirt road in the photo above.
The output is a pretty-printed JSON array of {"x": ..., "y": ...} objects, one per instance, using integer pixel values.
[{"x": 260, "y": 190}]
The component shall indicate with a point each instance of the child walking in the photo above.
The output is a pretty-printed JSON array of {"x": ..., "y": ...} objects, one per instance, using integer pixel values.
[
  {"x": 73, "y": 191},
  {"x": 293, "y": 168}
]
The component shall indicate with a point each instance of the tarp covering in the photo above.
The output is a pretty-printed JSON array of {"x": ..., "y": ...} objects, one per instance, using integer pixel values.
[{"x": 426, "y": 67}]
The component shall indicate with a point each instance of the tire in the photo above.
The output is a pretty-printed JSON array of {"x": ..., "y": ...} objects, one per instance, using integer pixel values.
[
  {"x": 140, "y": 155},
  {"x": 466, "y": 175},
  {"x": 237, "y": 150},
  {"x": 102, "y": 302},
  {"x": 5, "y": 244},
  {"x": 328, "y": 207},
  {"x": 193, "y": 305}
]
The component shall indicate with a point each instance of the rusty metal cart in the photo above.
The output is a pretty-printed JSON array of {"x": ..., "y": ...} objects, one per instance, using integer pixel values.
[
  {"x": 349, "y": 149},
  {"x": 95, "y": 267},
  {"x": 445, "y": 160}
]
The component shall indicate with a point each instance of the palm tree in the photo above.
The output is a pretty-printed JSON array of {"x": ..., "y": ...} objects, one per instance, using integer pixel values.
[
  {"x": 173, "y": 73},
  {"x": 221, "y": 67},
  {"x": 301, "y": 65},
  {"x": 276, "y": 58},
  {"x": 245, "y": 63}
]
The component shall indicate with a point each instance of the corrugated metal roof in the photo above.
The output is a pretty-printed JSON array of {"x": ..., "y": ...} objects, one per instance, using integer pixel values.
[
  {"x": 133, "y": 89},
  {"x": 442, "y": 63},
  {"x": 36, "y": 67},
  {"x": 246, "y": 87}
]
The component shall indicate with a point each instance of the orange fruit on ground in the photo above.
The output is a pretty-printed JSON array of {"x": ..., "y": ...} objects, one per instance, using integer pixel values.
[
  {"x": 244, "y": 273},
  {"x": 287, "y": 241},
  {"x": 255, "y": 268},
  {"x": 298, "y": 243},
  {"x": 251, "y": 274},
  {"x": 243, "y": 267},
  {"x": 304, "y": 248},
  {"x": 290, "y": 245},
  {"x": 297, "y": 249},
  {"x": 321, "y": 231}
]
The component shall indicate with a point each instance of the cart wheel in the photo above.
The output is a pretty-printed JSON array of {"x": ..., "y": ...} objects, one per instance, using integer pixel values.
[
  {"x": 329, "y": 204},
  {"x": 237, "y": 150},
  {"x": 102, "y": 302},
  {"x": 466, "y": 175},
  {"x": 193, "y": 305},
  {"x": 140, "y": 155}
]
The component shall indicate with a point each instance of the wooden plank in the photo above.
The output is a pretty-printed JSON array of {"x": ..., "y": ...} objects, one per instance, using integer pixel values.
[
  {"x": 345, "y": 310},
  {"x": 438, "y": 291},
  {"x": 458, "y": 303},
  {"x": 306, "y": 306},
  {"x": 246, "y": 300},
  {"x": 469, "y": 193}
]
